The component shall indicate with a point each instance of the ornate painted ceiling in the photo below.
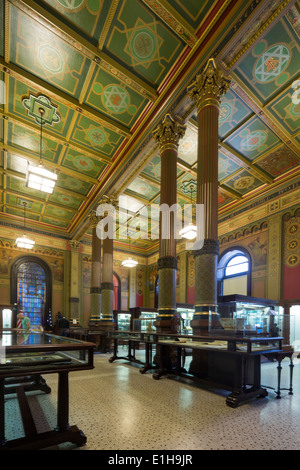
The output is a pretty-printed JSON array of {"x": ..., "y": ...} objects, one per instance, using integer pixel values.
[{"x": 107, "y": 72}]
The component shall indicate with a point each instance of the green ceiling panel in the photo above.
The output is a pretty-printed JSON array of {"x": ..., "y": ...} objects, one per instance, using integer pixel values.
[
  {"x": 113, "y": 98},
  {"x": 86, "y": 15},
  {"x": 143, "y": 188},
  {"x": 142, "y": 43},
  {"x": 226, "y": 166},
  {"x": 60, "y": 213},
  {"x": 31, "y": 206},
  {"x": 18, "y": 185},
  {"x": 96, "y": 137},
  {"x": 20, "y": 213},
  {"x": 286, "y": 109},
  {"x": 193, "y": 11},
  {"x": 232, "y": 112},
  {"x": 16, "y": 163},
  {"x": 20, "y": 94},
  {"x": 252, "y": 139},
  {"x": 2, "y": 90},
  {"x": 73, "y": 184},
  {"x": 272, "y": 63},
  {"x": 68, "y": 200},
  {"x": 87, "y": 165},
  {"x": 44, "y": 54},
  {"x": 29, "y": 141},
  {"x": 2, "y": 28},
  {"x": 243, "y": 183},
  {"x": 56, "y": 222}
]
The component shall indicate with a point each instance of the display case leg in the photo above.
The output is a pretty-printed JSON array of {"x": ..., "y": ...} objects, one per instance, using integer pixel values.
[
  {"x": 2, "y": 414},
  {"x": 63, "y": 402}
]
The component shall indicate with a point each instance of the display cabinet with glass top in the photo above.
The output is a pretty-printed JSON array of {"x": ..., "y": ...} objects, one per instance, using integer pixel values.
[
  {"x": 144, "y": 319},
  {"x": 122, "y": 320},
  {"x": 229, "y": 362},
  {"x": 29, "y": 355}
]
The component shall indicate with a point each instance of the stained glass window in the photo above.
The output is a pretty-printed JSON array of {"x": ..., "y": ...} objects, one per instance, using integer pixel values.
[{"x": 31, "y": 285}]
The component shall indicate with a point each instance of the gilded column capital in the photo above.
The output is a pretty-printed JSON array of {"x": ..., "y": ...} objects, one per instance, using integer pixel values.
[
  {"x": 209, "y": 86},
  {"x": 74, "y": 244},
  {"x": 107, "y": 205},
  {"x": 94, "y": 219},
  {"x": 168, "y": 133}
]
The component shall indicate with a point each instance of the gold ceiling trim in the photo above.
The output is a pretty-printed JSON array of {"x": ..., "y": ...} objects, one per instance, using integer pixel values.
[
  {"x": 60, "y": 140},
  {"x": 108, "y": 22},
  {"x": 27, "y": 156},
  {"x": 83, "y": 46},
  {"x": 62, "y": 97},
  {"x": 264, "y": 115},
  {"x": 261, "y": 30},
  {"x": 173, "y": 20}
]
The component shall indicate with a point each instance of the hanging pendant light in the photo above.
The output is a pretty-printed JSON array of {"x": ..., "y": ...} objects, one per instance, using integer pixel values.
[
  {"x": 24, "y": 241},
  {"x": 37, "y": 176},
  {"x": 190, "y": 231},
  {"x": 129, "y": 262}
]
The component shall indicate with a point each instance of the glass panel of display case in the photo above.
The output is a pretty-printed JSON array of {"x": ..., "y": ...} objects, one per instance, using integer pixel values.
[
  {"x": 20, "y": 352},
  {"x": 186, "y": 315},
  {"x": 6, "y": 318},
  {"x": 124, "y": 321}
]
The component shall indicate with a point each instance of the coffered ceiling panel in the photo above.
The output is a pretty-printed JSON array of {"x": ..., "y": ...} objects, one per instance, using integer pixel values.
[{"x": 105, "y": 72}]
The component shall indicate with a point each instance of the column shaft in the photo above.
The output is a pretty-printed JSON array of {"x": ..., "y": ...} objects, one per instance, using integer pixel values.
[
  {"x": 206, "y": 91},
  {"x": 95, "y": 291},
  {"x": 167, "y": 135}
]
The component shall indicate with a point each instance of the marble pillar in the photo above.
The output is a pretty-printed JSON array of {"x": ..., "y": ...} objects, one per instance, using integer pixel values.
[
  {"x": 206, "y": 92},
  {"x": 95, "y": 290},
  {"x": 167, "y": 135}
]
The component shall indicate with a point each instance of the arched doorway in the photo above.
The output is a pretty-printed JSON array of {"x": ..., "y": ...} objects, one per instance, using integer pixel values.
[{"x": 31, "y": 288}]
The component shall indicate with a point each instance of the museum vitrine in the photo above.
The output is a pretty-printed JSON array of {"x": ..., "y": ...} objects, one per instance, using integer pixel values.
[{"x": 27, "y": 356}]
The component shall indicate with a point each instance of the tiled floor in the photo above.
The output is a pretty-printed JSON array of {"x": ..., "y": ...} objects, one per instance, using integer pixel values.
[{"x": 118, "y": 408}]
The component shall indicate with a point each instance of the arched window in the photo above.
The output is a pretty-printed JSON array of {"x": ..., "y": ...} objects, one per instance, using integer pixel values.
[
  {"x": 31, "y": 288},
  {"x": 234, "y": 272}
]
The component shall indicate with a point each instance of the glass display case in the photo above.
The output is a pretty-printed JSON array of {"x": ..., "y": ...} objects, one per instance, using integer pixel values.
[
  {"x": 22, "y": 352},
  {"x": 23, "y": 358},
  {"x": 186, "y": 313},
  {"x": 143, "y": 319},
  {"x": 242, "y": 304},
  {"x": 122, "y": 320},
  {"x": 6, "y": 316}
]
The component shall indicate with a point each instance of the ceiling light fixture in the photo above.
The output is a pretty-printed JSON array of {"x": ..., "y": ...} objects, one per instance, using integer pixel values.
[
  {"x": 37, "y": 176},
  {"x": 190, "y": 231},
  {"x": 24, "y": 241},
  {"x": 129, "y": 262}
]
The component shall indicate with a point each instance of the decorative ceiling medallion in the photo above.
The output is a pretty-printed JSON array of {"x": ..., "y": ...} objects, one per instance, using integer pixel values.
[
  {"x": 50, "y": 58},
  {"x": 253, "y": 140},
  {"x": 244, "y": 182},
  {"x": 115, "y": 99},
  {"x": 33, "y": 104},
  {"x": 71, "y": 4},
  {"x": 272, "y": 63}
]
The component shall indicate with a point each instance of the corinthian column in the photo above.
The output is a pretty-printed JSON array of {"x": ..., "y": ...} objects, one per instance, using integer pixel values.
[
  {"x": 107, "y": 286},
  {"x": 95, "y": 291},
  {"x": 206, "y": 92},
  {"x": 167, "y": 135},
  {"x": 74, "y": 281}
]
